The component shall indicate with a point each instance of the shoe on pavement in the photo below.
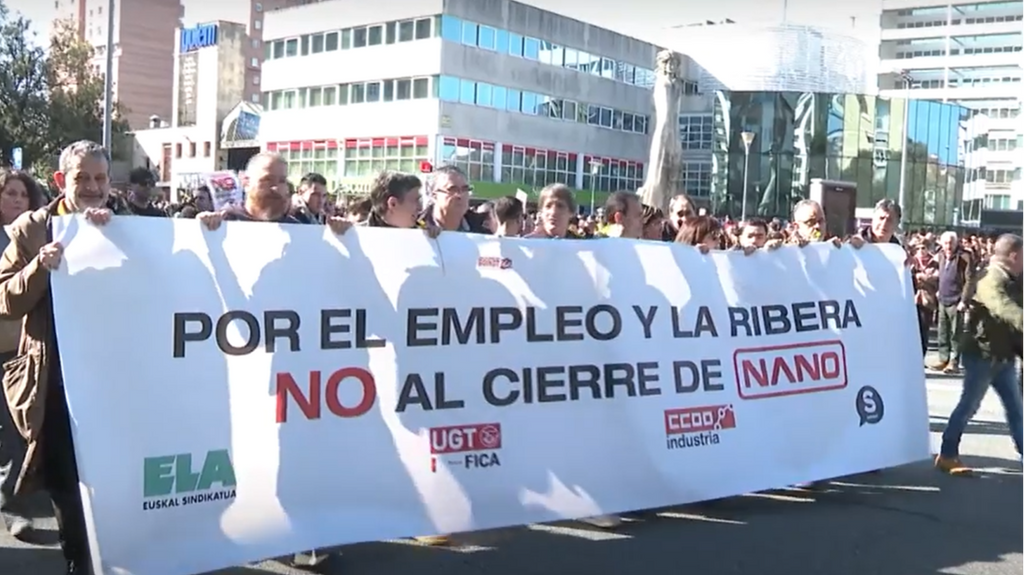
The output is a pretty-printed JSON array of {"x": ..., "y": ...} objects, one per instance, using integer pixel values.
[
  {"x": 21, "y": 529},
  {"x": 433, "y": 540},
  {"x": 603, "y": 521},
  {"x": 952, "y": 466},
  {"x": 951, "y": 369},
  {"x": 938, "y": 366}
]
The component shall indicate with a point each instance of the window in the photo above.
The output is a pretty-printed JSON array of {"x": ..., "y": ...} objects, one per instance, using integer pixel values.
[
  {"x": 316, "y": 158},
  {"x": 346, "y": 39},
  {"x": 304, "y": 45},
  {"x": 258, "y": 7},
  {"x": 612, "y": 175},
  {"x": 515, "y": 44},
  {"x": 501, "y": 41},
  {"x": 531, "y": 48},
  {"x": 474, "y": 157},
  {"x": 255, "y": 98},
  {"x": 369, "y": 157},
  {"x": 330, "y": 95},
  {"x": 255, "y": 80},
  {"x": 207, "y": 149},
  {"x": 317, "y": 44},
  {"x": 330, "y": 41},
  {"x": 191, "y": 149},
  {"x": 423, "y": 28},
  {"x": 696, "y": 178},
  {"x": 467, "y": 92},
  {"x": 316, "y": 97},
  {"x": 469, "y": 31},
  {"x": 536, "y": 167},
  {"x": 254, "y": 62},
  {"x": 448, "y": 89},
  {"x": 406, "y": 31},
  {"x": 483, "y": 94},
  {"x": 451, "y": 29},
  {"x": 403, "y": 89},
  {"x": 390, "y": 33},
  {"x": 420, "y": 88},
  {"x": 389, "y": 90},
  {"x": 177, "y": 150},
  {"x": 358, "y": 93},
  {"x": 291, "y": 47},
  {"x": 696, "y": 131},
  {"x": 487, "y": 37},
  {"x": 499, "y": 97},
  {"x": 279, "y": 49},
  {"x": 373, "y": 92},
  {"x": 258, "y": 24},
  {"x": 375, "y": 35},
  {"x": 255, "y": 44},
  {"x": 358, "y": 38}
]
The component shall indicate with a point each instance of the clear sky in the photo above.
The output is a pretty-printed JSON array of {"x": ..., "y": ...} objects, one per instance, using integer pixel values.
[{"x": 640, "y": 16}]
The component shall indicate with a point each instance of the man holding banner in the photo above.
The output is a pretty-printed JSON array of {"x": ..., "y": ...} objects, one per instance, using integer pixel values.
[{"x": 33, "y": 381}]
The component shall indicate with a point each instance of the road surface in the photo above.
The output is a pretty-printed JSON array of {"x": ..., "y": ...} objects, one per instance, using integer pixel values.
[{"x": 905, "y": 521}]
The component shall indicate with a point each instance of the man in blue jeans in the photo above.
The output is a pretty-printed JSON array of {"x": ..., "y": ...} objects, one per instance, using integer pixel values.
[{"x": 991, "y": 344}]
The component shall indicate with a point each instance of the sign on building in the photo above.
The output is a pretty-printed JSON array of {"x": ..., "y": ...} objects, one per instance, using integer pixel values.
[{"x": 200, "y": 36}]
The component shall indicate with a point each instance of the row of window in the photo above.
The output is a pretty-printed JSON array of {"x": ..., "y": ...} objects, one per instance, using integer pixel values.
[
  {"x": 998, "y": 202},
  {"x": 963, "y": 82},
  {"x": 513, "y": 100},
  {"x": 391, "y": 90},
  {"x": 350, "y": 38},
  {"x": 696, "y": 131},
  {"x": 958, "y": 21},
  {"x": 957, "y": 51},
  {"x": 1002, "y": 113},
  {"x": 696, "y": 178},
  {"x": 547, "y": 52},
  {"x": 993, "y": 176}
]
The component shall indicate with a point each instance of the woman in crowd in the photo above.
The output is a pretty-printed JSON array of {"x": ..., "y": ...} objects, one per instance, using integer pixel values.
[
  {"x": 555, "y": 210},
  {"x": 703, "y": 232},
  {"x": 925, "y": 270},
  {"x": 654, "y": 223},
  {"x": 19, "y": 193}
]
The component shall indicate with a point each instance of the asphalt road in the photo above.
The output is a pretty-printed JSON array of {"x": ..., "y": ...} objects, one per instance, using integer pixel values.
[{"x": 904, "y": 521}]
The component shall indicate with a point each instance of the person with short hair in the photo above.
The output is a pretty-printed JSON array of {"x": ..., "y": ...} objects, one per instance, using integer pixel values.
[
  {"x": 624, "y": 214},
  {"x": 509, "y": 215},
  {"x": 308, "y": 202},
  {"x": 991, "y": 343},
  {"x": 139, "y": 199}
]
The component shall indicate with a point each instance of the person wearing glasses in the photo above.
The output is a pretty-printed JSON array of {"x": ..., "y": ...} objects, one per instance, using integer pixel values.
[{"x": 448, "y": 192}]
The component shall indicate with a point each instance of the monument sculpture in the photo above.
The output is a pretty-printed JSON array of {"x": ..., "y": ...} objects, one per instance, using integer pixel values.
[{"x": 664, "y": 167}]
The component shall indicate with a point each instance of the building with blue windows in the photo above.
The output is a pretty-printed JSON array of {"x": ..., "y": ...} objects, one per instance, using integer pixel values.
[{"x": 513, "y": 94}]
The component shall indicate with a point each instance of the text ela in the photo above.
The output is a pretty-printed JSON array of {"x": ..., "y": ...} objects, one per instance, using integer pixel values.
[{"x": 790, "y": 369}]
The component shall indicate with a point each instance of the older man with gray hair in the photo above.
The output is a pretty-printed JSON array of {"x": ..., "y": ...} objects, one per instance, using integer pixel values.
[
  {"x": 32, "y": 381},
  {"x": 956, "y": 288}
]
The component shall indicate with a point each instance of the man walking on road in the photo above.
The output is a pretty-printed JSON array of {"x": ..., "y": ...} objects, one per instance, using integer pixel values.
[{"x": 990, "y": 345}]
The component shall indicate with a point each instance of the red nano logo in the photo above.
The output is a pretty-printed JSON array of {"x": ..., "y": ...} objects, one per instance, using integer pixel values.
[
  {"x": 699, "y": 419},
  {"x": 462, "y": 438},
  {"x": 775, "y": 371}
]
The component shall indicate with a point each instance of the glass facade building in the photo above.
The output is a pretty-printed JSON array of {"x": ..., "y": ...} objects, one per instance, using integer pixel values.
[{"x": 799, "y": 136}]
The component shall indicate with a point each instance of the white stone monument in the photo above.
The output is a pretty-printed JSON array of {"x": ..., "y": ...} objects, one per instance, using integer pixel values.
[{"x": 665, "y": 163}]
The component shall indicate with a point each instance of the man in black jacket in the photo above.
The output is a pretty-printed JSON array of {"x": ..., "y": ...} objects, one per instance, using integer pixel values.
[{"x": 308, "y": 203}]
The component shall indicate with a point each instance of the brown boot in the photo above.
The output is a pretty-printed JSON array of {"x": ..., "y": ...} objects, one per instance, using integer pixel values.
[
  {"x": 951, "y": 466},
  {"x": 938, "y": 366}
]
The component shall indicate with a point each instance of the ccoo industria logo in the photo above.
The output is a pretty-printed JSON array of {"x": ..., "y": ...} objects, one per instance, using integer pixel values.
[{"x": 197, "y": 37}]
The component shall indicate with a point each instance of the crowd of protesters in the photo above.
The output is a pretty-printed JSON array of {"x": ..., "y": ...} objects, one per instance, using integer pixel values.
[{"x": 970, "y": 286}]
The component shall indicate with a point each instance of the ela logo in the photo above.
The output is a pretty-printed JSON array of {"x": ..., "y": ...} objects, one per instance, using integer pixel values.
[{"x": 170, "y": 480}]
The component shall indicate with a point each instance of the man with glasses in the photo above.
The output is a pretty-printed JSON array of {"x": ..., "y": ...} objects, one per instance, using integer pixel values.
[{"x": 449, "y": 192}]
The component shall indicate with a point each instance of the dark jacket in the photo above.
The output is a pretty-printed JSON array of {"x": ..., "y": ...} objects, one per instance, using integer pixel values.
[
  {"x": 472, "y": 222},
  {"x": 994, "y": 324},
  {"x": 965, "y": 270}
]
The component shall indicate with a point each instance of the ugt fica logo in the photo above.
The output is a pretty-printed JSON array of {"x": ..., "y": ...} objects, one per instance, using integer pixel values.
[
  {"x": 171, "y": 481},
  {"x": 474, "y": 445}
]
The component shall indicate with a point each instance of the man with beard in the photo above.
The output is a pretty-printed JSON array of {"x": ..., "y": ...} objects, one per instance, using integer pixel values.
[
  {"x": 625, "y": 216},
  {"x": 308, "y": 204},
  {"x": 140, "y": 195},
  {"x": 268, "y": 199},
  {"x": 449, "y": 192}
]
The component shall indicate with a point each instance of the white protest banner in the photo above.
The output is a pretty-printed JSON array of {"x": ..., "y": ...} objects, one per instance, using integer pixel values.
[{"x": 263, "y": 389}]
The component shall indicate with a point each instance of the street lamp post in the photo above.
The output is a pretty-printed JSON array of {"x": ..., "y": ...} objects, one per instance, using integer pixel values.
[
  {"x": 595, "y": 170},
  {"x": 108, "y": 80},
  {"x": 748, "y": 138},
  {"x": 905, "y": 150}
]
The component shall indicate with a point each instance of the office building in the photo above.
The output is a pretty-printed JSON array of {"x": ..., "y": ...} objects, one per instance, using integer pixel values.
[
  {"x": 782, "y": 57},
  {"x": 517, "y": 96},
  {"x": 968, "y": 53},
  {"x": 143, "y": 64},
  {"x": 210, "y": 117},
  {"x": 858, "y": 139}
]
